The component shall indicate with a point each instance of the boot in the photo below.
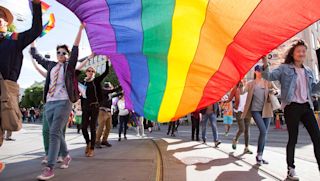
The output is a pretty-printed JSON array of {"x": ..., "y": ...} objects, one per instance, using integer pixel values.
[
  {"x": 87, "y": 148},
  {"x": 90, "y": 153}
]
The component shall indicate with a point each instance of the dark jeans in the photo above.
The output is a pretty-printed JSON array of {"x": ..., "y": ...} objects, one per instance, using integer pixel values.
[
  {"x": 89, "y": 118},
  {"x": 123, "y": 125},
  {"x": 263, "y": 125},
  {"x": 294, "y": 113},
  {"x": 195, "y": 127},
  {"x": 171, "y": 127}
]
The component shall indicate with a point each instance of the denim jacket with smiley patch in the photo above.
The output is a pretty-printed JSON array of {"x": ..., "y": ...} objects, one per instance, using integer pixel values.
[{"x": 287, "y": 76}]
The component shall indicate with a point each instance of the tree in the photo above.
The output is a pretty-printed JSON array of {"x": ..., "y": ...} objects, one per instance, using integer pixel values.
[
  {"x": 33, "y": 97},
  {"x": 112, "y": 77}
]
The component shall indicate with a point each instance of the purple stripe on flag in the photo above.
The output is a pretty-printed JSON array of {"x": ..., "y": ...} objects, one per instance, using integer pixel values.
[{"x": 95, "y": 13}]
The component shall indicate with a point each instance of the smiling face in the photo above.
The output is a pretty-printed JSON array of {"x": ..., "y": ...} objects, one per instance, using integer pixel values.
[
  {"x": 62, "y": 55},
  {"x": 3, "y": 22},
  {"x": 300, "y": 54},
  {"x": 90, "y": 73}
]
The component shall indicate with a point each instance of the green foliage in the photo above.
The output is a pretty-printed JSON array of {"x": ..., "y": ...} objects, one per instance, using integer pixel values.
[{"x": 33, "y": 97}]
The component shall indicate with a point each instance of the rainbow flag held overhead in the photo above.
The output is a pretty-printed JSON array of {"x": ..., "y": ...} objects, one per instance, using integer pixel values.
[
  {"x": 49, "y": 25},
  {"x": 173, "y": 57}
]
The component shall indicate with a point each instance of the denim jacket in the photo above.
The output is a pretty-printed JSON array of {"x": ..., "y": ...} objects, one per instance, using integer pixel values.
[{"x": 287, "y": 76}]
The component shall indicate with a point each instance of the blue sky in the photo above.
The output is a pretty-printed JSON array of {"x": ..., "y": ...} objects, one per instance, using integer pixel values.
[{"x": 67, "y": 25}]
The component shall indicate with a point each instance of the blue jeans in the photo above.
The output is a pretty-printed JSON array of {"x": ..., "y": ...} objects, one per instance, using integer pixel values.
[
  {"x": 57, "y": 113},
  {"x": 263, "y": 125},
  {"x": 213, "y": 119}
]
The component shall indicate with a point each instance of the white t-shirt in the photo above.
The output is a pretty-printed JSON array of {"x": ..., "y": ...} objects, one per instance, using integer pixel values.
[
  {"x": 61, "y": 91},
  {"x": 242, "y": 102},
  {"x": 122, "y": 108}
]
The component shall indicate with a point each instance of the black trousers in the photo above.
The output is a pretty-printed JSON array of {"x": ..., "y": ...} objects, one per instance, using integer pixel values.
[
  {"x": 294, "y": 113},
  {"x": 171, "y": 127},
  {"x": 195, "y": 127},
  {"x": 89, "y": 118},
  {"x": 123, "y": 125}
]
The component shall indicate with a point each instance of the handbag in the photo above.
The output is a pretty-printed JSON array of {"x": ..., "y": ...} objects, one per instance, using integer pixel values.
[
  {"x": 11, "y": 117},
  {"x": 275, "y": 104}
]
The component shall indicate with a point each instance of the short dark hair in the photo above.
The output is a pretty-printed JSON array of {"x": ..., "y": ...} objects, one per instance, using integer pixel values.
[
  {"x": 64, "y": 47},
  {"x": 289, "y": 58}
]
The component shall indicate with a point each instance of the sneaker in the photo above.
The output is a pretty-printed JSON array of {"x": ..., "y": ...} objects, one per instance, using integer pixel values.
[
  {"x": 60, "y": 159},
  {"x": 143, "y": 135},
  {"x": 66, "y": 162},
  {"x": 105, "y": 143},
  {"x": 247, "y": 151},
  {"x": 204, "y": 141},
  {"x": 173, "y": 135},
  {"x": 234, "y": 144},
  {"x": 46, "y": 174},
  {"x": 2, "y": 166},
  {"x": 265, "y": 162},
  {"x": 217, "y": 143},
  {"x": 292, "y": 175},
  {"x": 87, "y": 149},
  {"x": 10, "y": 139},
  {"x": 98, "y": 145},
  {"x": 259, "y": 160},
  {"x": 45, "y": 160},
  {"x": 137, "y": 135}
]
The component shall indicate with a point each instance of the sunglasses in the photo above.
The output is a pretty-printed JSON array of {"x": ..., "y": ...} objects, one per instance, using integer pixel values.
[
  {"x": 91, "y": 71},
  {"x": 62, "y": 53}
]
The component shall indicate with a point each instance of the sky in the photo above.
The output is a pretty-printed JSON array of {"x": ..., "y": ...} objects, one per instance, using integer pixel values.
[{"x": 65, "y": 31}]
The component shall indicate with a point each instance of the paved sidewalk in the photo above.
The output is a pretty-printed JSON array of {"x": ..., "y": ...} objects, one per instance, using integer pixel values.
[{"x": 136, "y": 159}]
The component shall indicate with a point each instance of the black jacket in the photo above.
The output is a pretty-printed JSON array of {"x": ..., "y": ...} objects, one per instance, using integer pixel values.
[
  {"x": 94, "y": 90},
  {"x": 107, "y": 97},
  {"x": 69, "y": 69},
  {"x": 11, "y": 50}
]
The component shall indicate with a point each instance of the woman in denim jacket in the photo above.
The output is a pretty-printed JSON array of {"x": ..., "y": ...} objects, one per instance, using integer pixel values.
[{"x": 297, "y": 86}]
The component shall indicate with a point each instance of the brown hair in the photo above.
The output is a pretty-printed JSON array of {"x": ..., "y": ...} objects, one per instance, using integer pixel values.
[
  {"x": 64, "y": 47},
  {"x": 289, "y": 58}
]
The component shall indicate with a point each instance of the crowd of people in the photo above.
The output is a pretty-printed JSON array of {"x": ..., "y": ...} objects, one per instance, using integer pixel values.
[{"x": 96, "y": 105}]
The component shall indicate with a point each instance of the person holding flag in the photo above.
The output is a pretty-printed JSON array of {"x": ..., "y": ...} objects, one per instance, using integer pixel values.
[{"x": 11, "y": 47}]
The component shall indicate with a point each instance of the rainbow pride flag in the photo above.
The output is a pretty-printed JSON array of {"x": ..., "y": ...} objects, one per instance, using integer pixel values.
[
  {"x": 49, "y": 25},
  {"x": 173, "y": 57}
]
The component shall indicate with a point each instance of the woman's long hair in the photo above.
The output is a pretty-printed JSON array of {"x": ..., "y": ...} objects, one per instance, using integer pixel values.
[{"x": 289, "y": 58}]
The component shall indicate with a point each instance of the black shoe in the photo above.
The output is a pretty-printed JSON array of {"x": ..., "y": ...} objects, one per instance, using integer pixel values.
[
  {"x": 192, "y": 139},
  {"x": 198, "y": 139},
  {"x": 105, "y": 143},
  {"x": 10, "y": 139},
  {"x": 119, "y": 139},
  {"x": 168, "y": 133},
  {"x": 204, "y": 141},
  {"x": 173, "y": 135},
  {"x": 98, "y": 146}
]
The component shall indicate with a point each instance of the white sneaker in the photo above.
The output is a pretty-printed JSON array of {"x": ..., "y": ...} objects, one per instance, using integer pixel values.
[
  {"x": 45, "y": 160},
  {"x": 138, "y": 135},
  {"x": 143, "y": 135},
  {"x": 292, "y": 175},
  {"x": 66, "y": 162},
  {"x": 60, "y": 159}
]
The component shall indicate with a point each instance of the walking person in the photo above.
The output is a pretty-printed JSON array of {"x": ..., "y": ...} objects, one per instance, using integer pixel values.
[
  {"x": 90, "y": 106},
  {"x": 105, "y": 117},
  {"x": 59, "y": 94},
  {"x": 9, "y": 136},
  {"x": 227, "y": 114},
  {"x": 78, "y": 116},
  {"x": 171, "y": 127},
  {"x": 259, "y": 107},
  {"x": 243, "y": 124},
  {"x": 140, "y": 126},
  {"x": 210, "y": 114},
  {"x": 123, "y": 117},
  {"x": 298, "y": 84},
  {"x": 195, "y": 121}
]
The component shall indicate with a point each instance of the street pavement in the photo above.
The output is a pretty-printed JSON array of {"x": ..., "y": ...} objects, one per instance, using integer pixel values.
[{"x": 138, "y": 159}]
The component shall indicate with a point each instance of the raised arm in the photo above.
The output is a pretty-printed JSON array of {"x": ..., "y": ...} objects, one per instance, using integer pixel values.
[
  {"x": 270, "y": 76},
  {"x": 82, "y": 64},
  {"x": 75, "y": 49},
  {"x": 27, "y": 37},
  {"x": 43, "y": 73},
  {"x": 232, "y": 94},
  {"x": 38, "y": 57},
  {"x": 102, "y": 76}
]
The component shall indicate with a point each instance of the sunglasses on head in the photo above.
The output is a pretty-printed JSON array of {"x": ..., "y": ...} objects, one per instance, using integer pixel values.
[{"x": 62, "y": 53}]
